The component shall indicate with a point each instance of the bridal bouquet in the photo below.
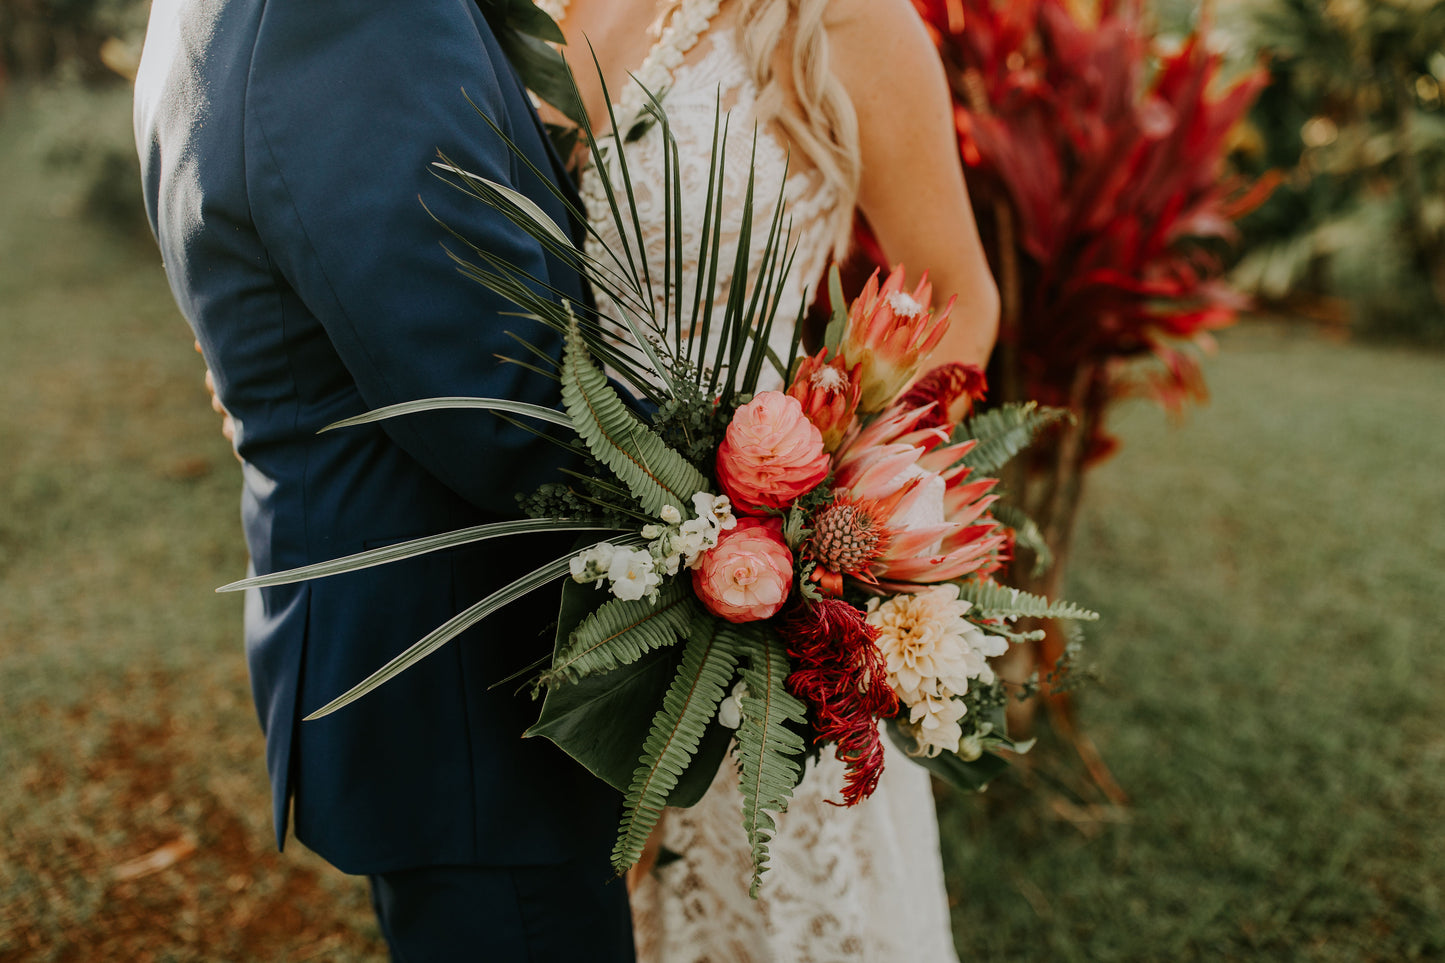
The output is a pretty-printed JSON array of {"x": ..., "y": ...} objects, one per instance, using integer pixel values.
[{"x": 783, "y": 571}]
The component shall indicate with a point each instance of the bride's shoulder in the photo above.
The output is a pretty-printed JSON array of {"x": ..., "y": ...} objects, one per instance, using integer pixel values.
[
  {"x": 882, "y": 52},
  {"x": 867, "y": 22}
]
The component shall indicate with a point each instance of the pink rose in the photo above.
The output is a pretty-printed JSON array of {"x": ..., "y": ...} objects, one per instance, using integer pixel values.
[
  {"x": 747, "y": 575},
  {"x": 771, "y": 454}
]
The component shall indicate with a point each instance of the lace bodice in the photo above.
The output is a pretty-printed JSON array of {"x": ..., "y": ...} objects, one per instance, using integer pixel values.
[{"x": 714, "y": 74}]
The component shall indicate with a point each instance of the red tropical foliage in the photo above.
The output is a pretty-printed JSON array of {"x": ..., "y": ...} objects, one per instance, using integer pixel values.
[
  {"x": 1096, "y": 161},
  {"x": 1096, "y": 164}
]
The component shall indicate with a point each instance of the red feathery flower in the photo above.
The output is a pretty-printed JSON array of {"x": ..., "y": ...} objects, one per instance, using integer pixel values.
[
  {"x": 841, "y": 675},
  {"x": 943, "y": 386}
]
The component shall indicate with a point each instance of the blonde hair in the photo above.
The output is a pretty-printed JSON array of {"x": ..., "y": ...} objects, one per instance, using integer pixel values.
[{"x": 814, "y": 112}]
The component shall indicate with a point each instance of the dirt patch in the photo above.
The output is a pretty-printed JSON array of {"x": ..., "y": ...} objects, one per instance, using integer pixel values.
[{"x": 158, "y": 866}]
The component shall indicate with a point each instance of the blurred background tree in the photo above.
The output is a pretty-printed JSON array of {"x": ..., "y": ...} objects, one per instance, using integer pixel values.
[
  {"x": 1354, "y": 119},
  {"x": 81, "y": 55},
  {"x": 43, "y": 39}
]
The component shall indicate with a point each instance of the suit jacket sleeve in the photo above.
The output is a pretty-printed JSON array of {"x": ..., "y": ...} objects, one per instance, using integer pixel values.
[{"x": 347, "y": 105}]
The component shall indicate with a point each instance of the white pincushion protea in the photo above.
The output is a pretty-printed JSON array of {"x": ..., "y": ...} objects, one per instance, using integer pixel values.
[{"x": 932, "y": 652}]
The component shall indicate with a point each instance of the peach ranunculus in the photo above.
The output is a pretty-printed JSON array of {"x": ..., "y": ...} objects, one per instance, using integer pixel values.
[
  {"x": 748, "y": 574},
  {"x": 890, "y": 333},
  {"x": 828, "y": 391},
  {"x": 770, "y": 455}
]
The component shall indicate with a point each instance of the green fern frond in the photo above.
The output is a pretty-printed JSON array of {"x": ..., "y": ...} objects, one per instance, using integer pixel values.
[
  {"x": 1017, "y": 638},
  {"x": 621, "y": 631},
  {"x": 1004, "y": 432},
  {"x": 768, "y": 752},
  {"x": 654, "y": 473},
  {"x": 1026, "y": 534},
  {"x": 993, "y": 601},
  {"x": 708, "y": 661}
]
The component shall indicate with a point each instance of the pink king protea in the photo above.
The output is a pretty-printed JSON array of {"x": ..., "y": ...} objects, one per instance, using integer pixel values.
[
  {"x": 900, "y": 513},
  {"x": 890, "y": 333}
]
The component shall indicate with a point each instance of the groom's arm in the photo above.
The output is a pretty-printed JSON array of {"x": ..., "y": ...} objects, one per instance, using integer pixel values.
[{"x": 348, "y": 103}]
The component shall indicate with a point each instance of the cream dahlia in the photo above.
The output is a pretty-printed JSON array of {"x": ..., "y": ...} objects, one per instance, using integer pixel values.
[{"x": 932, "y": 652}]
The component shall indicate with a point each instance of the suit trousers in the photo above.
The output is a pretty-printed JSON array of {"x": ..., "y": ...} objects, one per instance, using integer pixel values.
[{"x": 561, "y": 913}]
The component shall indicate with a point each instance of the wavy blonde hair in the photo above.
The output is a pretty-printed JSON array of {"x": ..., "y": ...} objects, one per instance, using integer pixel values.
[{"x": 814, "y": 111}]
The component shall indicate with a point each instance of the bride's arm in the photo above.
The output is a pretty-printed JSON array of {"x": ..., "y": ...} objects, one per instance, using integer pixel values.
[{"x": 912, "y": 189}]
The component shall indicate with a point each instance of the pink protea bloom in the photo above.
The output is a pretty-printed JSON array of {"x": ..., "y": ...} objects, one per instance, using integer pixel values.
[
  {"x": 903, "y": 511},
  {"x": 748, "y": 574},
  {"x": 890, "y": 333},
  {"x": 828, "y": 391},
  {"x": 770, "y": 454}
]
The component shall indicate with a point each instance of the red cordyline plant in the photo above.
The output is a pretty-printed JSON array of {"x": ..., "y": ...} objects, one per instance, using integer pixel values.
[
  {"x": 1105, "y": 155},
  {"x": 1096, "y": 162}
]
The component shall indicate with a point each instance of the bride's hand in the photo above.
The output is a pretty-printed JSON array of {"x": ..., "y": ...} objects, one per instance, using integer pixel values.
[{"x": 228, "y": 424}]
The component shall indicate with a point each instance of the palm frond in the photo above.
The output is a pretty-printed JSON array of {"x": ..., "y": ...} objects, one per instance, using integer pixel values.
[{"x": 436, "y": 404}]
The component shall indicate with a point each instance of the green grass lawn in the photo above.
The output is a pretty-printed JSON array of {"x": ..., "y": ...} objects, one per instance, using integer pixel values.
[{"x": 1271, "y": 575}]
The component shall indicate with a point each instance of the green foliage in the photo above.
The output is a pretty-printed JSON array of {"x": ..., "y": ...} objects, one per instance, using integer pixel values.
[
  {"x": 411, "y": 549},
  {"x": 1026, "y": 535},
  {"x": 603, "y": 720},
  {"x": 621, "y": 631},
  {"x": 587, "y": 495},
  {"x": 691, "y": 423},
  {"x": 769, "y": 748},
  {"x": 1356, "y": 119},
  {"x": 654, "y": 473},
  {"x": 86, "y": 138},
  {"x": 969, "y": 775},
  {"x": 993, "y": 601},
  {"x": 66, "y": 40},
  {"x": 1003, "y": 432},
  {"x": 691, "y": 703}
]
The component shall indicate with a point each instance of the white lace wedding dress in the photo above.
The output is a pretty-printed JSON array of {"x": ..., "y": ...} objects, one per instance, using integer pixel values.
[{"x": 846, "y": 884}]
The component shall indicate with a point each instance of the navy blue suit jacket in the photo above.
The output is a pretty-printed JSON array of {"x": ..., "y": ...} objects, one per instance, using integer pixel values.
[{"x": 285, "y": 145}]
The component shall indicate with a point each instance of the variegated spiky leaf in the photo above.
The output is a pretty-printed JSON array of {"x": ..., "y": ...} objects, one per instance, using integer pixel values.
[
  {"x": 654, "y": 473},
  {"x": 621, "y": 631},
  {"x": 447, "y": 631},
  {"x": 1003, "y": 432},
  {"x": 768, "y": 752},
  {"x": 993, "y": 601},
  {"x": 708, "y": 662}
]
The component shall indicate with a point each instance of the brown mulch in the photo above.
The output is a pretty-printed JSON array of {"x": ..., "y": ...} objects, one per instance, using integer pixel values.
[{"x": 154, "y": 860}]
